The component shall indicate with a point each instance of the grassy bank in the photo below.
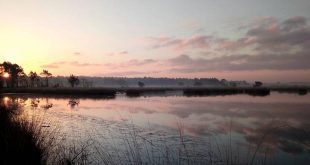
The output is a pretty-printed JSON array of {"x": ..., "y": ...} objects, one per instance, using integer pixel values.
[
  {"x": 19, "y": 140},
  {"x": 99, "y": 92},
  {"x": 28, "y": 140},
  {"x": 297, "y": 90},
  {"x": 226, "y": 91}
]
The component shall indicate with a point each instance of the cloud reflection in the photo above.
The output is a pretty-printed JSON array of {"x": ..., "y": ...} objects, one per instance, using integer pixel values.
[{"x": 283, "y": 120}]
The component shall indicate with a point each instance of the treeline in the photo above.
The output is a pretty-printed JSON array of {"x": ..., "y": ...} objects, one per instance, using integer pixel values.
[
  {"x": 162, "y": 82},
  {"x": 147, "y": 82},
  {"x": 13, "y": 75}
]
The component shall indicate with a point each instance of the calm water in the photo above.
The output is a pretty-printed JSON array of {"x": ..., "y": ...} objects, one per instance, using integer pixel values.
[{"x": 275, "y": 129}]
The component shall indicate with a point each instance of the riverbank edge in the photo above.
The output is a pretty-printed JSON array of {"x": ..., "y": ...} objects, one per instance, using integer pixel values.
[{"x": 137, "y": 91}]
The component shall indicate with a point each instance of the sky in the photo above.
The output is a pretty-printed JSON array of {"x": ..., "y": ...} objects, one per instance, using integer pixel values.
[{"x": 267, "y": 40}]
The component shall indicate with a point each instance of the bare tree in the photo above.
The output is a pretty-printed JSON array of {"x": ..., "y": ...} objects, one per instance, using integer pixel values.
[
  {"x": 141, "y": 84},
  {"x": 34, "y": 78},
  {"x": 73, "y": 80},
  {"x": 47, "y": 75},
  {"x": 258, "y": 84}
]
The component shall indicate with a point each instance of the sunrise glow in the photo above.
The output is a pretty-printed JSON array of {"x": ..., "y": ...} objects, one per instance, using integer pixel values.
[
  {"x": 241, "y": 40},
  {"x": 6, "y": 75},
  {"x": 165, "y": 82}
]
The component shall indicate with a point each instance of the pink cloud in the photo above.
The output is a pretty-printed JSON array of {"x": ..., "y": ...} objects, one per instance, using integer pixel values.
[{"x": 69, "y": 63}]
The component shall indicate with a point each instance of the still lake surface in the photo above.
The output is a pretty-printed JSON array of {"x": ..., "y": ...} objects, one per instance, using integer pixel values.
[{"x": 273, "y": 129}]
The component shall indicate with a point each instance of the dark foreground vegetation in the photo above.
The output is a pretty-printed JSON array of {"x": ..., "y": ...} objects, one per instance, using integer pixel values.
[
  {"x": 62, "y": 91},
  {"x": 29, "y": 141},
  {"x": 226, "y": 91},
  {"x": 19, "y": 143},
  {"x": 298, "y": 90},
  {"x": 212, "y": 91}
]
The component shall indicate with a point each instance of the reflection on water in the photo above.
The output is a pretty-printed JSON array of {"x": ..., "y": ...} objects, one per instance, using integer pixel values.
[
  {"x": 47, "y": 105},
  {"x": 34, "y": 103},
  {"x": 277, "y": 124},
  {"x": 73, "y": 103}
]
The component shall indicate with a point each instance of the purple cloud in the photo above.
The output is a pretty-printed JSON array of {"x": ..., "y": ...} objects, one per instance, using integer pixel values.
[
  {"x": 265, "y": 34},
  {"x": 195, "y": 42},
  {"x": 274, "y": 45},
  {"x": 294, "y": 23},
  {"x": 51, "y": 66},
  {"x": 131, "y": 63},
  {"x": 187, "y": 64},
  {"x": 293, "y": 33},
  {"x": 130, "y": 73}
]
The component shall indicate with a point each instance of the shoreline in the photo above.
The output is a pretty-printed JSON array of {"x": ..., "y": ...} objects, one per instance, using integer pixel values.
[{"x": 110, "y": 92}]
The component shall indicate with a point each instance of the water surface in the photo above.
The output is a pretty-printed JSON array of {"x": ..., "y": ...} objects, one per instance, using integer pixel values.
[{"x": 231, "y": 128}]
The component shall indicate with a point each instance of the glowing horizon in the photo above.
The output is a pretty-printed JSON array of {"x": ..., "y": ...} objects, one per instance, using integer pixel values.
[{"x": 6, "y": 75}]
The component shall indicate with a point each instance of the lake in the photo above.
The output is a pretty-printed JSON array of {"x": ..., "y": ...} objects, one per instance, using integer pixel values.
[{"x": 174, "y": 129}]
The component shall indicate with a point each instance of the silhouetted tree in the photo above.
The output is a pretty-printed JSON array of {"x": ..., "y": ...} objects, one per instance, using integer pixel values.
[
  {"x": 34, "y": 78},
  {"x": 197, "y": 82},
  {"x": 14, "y": 71},
  {"x": 224, "y": 82},
  {"x": 141, "y": 84},
  {"x": 258, "y": 84},
  {"x": 1, "y": 77},
  {"x": 73, "y": 80},
  {"x": 23, "y": 81},
  {"x": 47, "y": 75},
  {"x": 1, "y": 82}
]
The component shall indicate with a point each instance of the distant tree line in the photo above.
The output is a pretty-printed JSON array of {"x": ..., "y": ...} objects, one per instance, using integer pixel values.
[
  {"x": 13, "y": 75},
  {"x": 163, "y": 82}
]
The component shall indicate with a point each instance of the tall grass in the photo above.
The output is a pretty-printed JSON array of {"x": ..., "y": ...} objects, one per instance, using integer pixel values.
[
  {"x": 19, "y": 140},
  {"x": 28, "y": 139}
]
